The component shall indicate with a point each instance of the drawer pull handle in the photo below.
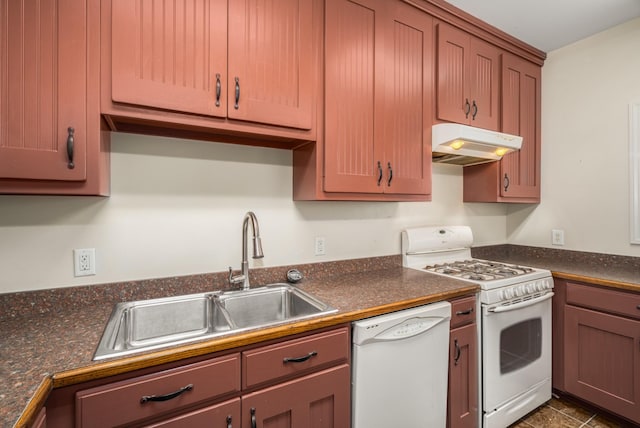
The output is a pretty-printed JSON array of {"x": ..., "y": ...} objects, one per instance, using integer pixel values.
[
  {"x": 379, "y": 173},
  {"x": 467, "y": 312},
  {"x": 457, "y": 357},
  {"x": 229, "y": 422},
  {"x": 300, "y": 359},
  {"x": 467, "y": 108},
  {"x": 253, "y": 418},
  {"x": 475, "y": 110},
  {"x": 146, "y": 398},
  {"x": 218, "y": 89},
  {"x": 70, "y": 146},
  {"x": 236, "y": 105}
]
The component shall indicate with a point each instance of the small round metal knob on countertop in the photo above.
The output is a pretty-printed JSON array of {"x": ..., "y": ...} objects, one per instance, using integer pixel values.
[{"x": 294, "y": 276}]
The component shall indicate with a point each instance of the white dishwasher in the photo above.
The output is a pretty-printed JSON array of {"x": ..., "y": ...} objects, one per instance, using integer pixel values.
[{"x": 400, "y": 367}]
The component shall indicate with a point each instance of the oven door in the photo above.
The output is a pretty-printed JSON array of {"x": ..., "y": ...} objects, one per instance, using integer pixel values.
[{"x": 516, "y": 349}]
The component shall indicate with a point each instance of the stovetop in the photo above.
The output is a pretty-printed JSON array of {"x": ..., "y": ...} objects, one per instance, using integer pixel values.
[
  {"x": 446, "y": 250},
  {"x": 479, "y": 270}
]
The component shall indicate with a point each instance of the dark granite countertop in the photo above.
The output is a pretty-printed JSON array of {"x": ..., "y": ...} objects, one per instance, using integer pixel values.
[
  {"x": 48, "y": 337},
  {"x": 602, "y": 269}
]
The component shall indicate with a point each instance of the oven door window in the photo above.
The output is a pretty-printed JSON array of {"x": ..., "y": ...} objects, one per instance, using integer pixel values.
[{"x": 520, "y": 345}]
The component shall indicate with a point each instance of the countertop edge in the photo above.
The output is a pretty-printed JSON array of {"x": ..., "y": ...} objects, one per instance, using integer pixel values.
[{"x": 597, "y": 281}]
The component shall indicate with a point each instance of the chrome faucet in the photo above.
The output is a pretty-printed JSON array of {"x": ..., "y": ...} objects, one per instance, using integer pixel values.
[{"x": 257, "y": 251}]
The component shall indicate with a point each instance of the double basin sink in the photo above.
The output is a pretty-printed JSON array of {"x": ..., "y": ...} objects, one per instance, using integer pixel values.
[{"x": 152, "y": 324}]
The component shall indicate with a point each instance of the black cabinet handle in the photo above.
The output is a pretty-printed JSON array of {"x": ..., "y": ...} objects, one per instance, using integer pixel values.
[
  {"x": 390, "y": 174},
  {"x": 379, "y": 173},
  {"x": 467, "y": 312},
  {"x": 147, "y": 398},
  {"x": 229, "y": 422},
  {"x": 236, "y": 106},
  {"x": 467, "y": 108},
  {"x": 475, "y": 110},
  {"x": 253, "y": 418},
  {"x": 299, "y": 359},
  {"x": 506, "y": 182},
  {"x": 218, "y": 89},
  {"x": 457, "y": 357},
  {"x": 70, "y": 147}
]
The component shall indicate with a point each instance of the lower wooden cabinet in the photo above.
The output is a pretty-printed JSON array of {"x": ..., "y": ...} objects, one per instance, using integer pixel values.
[
  {"x": 318, "y": 400},
  {"x": 301, "y": 382},
  {"x": 599, "y": 352},
  {"x": 462, "y": 405}
]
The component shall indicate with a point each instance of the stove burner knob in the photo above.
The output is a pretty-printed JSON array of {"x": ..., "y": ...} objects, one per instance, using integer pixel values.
[
  {"x": 540, "y": 285},
  {"x": 531, "y": 288},
  {"x": 508, "y": 293},
  {"x": 519, "y": 291}
]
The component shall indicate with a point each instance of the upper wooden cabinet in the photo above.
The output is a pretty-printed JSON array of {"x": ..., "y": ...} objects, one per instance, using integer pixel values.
[
  {"x": 515, "y": 178},
  {"x": 50, "y": 138},
  {"x": 245, "y": 60},
  {"x": 376, "y": 140},
  {"x": 468, "y": 79}
]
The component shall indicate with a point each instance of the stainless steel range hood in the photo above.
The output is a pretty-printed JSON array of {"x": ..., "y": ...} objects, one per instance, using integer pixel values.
[{"x": 465, "y": 145}]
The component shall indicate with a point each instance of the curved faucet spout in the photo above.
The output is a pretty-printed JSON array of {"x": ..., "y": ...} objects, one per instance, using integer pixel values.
[{"x": 257, "y": 250}]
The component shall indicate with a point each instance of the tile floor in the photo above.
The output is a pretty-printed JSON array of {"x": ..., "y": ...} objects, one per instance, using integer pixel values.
[{"x": 562, "y": 413}]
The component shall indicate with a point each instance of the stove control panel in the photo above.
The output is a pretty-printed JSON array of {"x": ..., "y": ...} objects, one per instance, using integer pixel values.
[{"x": 517, "y": 291}]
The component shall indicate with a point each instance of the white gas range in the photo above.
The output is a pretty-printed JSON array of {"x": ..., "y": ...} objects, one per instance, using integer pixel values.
[{"x": 514, "y": 315}]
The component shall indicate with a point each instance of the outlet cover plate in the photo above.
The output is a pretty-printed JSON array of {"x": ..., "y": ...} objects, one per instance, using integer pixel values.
[{"x": 84, "y": 261}]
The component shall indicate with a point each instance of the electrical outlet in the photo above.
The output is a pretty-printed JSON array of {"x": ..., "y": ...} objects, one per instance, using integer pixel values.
[
  {"x": 84, "y": 261},
  {"x": 557, "y": 237},
  {"x": 320, "y": 248}
]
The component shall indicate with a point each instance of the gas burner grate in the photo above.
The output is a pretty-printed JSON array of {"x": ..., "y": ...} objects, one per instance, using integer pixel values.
[{"x": 479, "y": 270}]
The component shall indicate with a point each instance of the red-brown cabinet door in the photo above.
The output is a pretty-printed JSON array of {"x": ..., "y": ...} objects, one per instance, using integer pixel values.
[
  {"x": 453, "y": 97},
  {"x": 521, "y": 95},
  {"x": 484, "y": 85},
  {"x": 408, "y": 94},
  {"x": 43, "y": 78},
  {"x": 602, "y": 360},
  {"x": 270, "y": 77},
  {"x": 319, "y": 400},
  {"x": 170, "y": 55},
  {"x": 462, "y": 406},
  {"x": 353, "y": 83}
]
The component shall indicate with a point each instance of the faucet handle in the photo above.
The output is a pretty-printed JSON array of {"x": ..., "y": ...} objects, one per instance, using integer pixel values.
[{"x": 233, "y": 280}]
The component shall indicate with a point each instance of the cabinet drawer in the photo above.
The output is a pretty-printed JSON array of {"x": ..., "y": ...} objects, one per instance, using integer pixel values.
[
  {"x": 463, "y": 311},
  {"x": 286, "y": 359},
  {"x": 122, "y": 402},
  {"x": 608, "y": 300}
]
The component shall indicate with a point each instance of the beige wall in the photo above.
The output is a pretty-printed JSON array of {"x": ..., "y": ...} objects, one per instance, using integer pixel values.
[
  {"x": 177, "y": 207},
  {"x": 586, "y": 91}
]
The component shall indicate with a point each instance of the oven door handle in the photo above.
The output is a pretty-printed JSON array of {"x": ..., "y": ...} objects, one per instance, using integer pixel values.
[{"x": 520, "y": 305}]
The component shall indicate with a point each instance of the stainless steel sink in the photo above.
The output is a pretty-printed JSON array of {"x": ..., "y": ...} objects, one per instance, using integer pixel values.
[
  {"x": 268, "y": 305},
  {"x": 152, "y": 324}
]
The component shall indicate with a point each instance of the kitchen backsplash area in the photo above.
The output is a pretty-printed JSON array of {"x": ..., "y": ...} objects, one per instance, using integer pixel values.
[{"x": 176, "y": 208}]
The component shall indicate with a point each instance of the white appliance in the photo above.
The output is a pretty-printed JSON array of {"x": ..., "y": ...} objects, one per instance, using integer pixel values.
[
  {"x": 467, "y": 145},
  {"x": 515, "y": 319},
  {"x": 399, "y": 375}
]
